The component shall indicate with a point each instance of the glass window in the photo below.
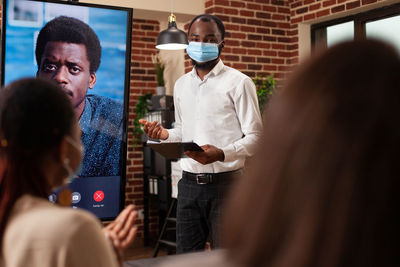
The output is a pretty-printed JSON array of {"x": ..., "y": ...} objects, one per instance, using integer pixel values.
[
  {"x": 339, "y": 33},
  {"x": 385, "y": 29}
]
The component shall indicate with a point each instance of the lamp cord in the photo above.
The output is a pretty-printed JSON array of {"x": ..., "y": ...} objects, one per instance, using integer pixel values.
[{"x": 172, "y": 6}]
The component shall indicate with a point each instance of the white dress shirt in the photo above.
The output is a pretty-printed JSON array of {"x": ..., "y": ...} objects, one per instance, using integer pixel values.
[{"x": 221, "y": 110}]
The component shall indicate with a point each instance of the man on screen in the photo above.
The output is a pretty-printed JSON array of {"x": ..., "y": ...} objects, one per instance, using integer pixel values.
[{"x": 68, "y": 51}]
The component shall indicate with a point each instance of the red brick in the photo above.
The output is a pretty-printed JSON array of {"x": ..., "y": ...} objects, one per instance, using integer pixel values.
[
  {"x": 253, "y": 6},
  {"x": 239, "y": 66},
  {"x": 352, "y": 5},
  {"x": 314, "y": 7},
  {"x": 263, "y": 30},
  {"x": 227, "y": 50},
  {"x": 278, "y": 32},
  {"x": 238, "y": 35},
  {"x": 254, "y": 37},
  {"x": 284, "y": 39},
  {"x": 284, "y": 54},
  {"x": 248, "y": 59},
  {"x": 328, "y": 3},
  {"x": 263, "y": 60},
  {"x": 366, "y": 2},
  {"x": 278, "y": 17},
  {"x": 309, "y": 16},
  {"x": 269, "y": 38},
  {"x": 221, "y": 2},
  {"x": 307, "y": 2},
  {"x": 231, "y": 11},
  {"x": 231, "y": 58},
  {"x": 302, "y": 10},
  {"x": 254, "y": 52},
  {"x": 254, "y": 22},
  {"x": 298, "y": 19},
  {"x": 246, "y": 13},
  {"x": 247, "y": 29},
  {"x": 218, "y": 9},
  {"x": 268, "y": 23},
  {"x": 232, "y": 43},
  {"x": 292, "y": 47},
  {"x": 322, "y": 13},
  {"x": 269, "y": 68},
  {"x": 295, "y": 4},
  {"x": 278, "y": 46},
  {"x": 237, "y": 4},
  {"x": 273, "y": 9},
  {"x": 277, "y": 61},
  {"x": 263, "y": 15},
  {"x": 248, "y": 44},
  {"x": 232, "y": 27},
  {"x": 238, "y": 20},
  {"x": 254, "y": 67},
  {"x": 337, "y": 9},
  {"x": 283, "y": 25},
  {"x": 284, "y": 10},
  {"x": 263, "y": 45},
  {"x": 239, "y": 51}
]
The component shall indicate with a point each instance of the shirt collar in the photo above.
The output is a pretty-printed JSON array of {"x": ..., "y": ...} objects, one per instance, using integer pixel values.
[{"x": 215, "y": 71}]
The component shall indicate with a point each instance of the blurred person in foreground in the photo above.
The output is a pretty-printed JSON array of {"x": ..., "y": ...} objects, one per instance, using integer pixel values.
[
  {"x": 40, "y": 150},
  {"x": 323, "y": 189}
]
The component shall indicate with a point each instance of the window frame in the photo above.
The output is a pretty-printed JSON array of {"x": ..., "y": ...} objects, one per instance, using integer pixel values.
[{"x": 318, "y": 30}]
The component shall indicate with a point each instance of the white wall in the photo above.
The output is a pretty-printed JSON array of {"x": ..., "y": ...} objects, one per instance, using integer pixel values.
[{"x": 157, "y": 9}]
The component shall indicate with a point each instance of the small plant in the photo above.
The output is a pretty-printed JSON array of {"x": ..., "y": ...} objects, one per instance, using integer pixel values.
[
  {"x": 265, "y": 89},
  {"x": 159, "y": 67},
  {"x": 141, "y": 109}
]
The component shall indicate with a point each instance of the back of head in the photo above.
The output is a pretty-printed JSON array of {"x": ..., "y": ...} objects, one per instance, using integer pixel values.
[
  {"x": 70, "y": 30},
  {"x": 35, "y": 115},
  {"x": 325, "y": 179}
]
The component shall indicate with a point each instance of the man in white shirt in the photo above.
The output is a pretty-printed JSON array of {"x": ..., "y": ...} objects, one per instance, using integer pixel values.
[{"x": 216, "y": 107}]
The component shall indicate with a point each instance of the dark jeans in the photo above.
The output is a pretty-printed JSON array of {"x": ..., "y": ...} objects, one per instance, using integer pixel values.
[{"x": 198, "y": 214}]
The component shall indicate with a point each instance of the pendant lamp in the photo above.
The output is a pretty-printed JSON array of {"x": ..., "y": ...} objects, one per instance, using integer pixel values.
[{"x": 172, "y": 38}]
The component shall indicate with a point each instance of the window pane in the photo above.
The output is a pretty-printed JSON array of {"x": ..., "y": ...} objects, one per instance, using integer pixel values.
[
  {"x": 339, "y": 33},
  {"x": 385, "y": 29}
]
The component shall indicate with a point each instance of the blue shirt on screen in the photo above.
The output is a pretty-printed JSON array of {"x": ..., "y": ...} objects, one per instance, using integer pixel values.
[{"x": 101, "y": 123}]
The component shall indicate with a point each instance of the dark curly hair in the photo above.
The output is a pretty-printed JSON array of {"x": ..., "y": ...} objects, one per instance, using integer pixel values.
[{"x": 70, "y": 30}]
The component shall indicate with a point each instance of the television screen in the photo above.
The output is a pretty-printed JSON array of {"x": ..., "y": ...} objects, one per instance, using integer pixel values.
[{"x": 86, "y": 49}]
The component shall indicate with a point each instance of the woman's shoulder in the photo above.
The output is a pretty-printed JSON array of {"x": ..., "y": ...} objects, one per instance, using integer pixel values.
[
  {"x": 39, "y": 231},
  {"x": 38, "y": 218}
]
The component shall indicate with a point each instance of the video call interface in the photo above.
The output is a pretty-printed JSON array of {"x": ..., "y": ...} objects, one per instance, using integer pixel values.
[{"x": 100, "y": 184}]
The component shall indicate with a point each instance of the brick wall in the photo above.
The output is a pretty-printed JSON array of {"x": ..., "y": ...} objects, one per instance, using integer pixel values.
[
  {"x": 258, "y": 35},
  {"x": 143, "y": 80}
]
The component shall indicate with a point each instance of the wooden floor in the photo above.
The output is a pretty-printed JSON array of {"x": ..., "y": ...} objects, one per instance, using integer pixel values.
[{"x": 142, "y": 253}]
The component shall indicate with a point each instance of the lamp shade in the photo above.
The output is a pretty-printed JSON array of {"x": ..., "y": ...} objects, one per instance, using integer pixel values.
[{"x": 172, "y": 38}]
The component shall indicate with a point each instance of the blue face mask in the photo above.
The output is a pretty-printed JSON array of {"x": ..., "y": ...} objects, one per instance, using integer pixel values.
[{"x": 202, "y": 52}]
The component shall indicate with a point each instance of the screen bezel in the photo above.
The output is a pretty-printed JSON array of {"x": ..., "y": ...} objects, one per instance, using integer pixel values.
[{"x": 126, "y": 81}]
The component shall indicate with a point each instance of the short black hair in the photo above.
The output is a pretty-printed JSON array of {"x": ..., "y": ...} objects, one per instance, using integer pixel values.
[
  {"x": 207, "y": 18},
  {"x": 70, "y": 30}
]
